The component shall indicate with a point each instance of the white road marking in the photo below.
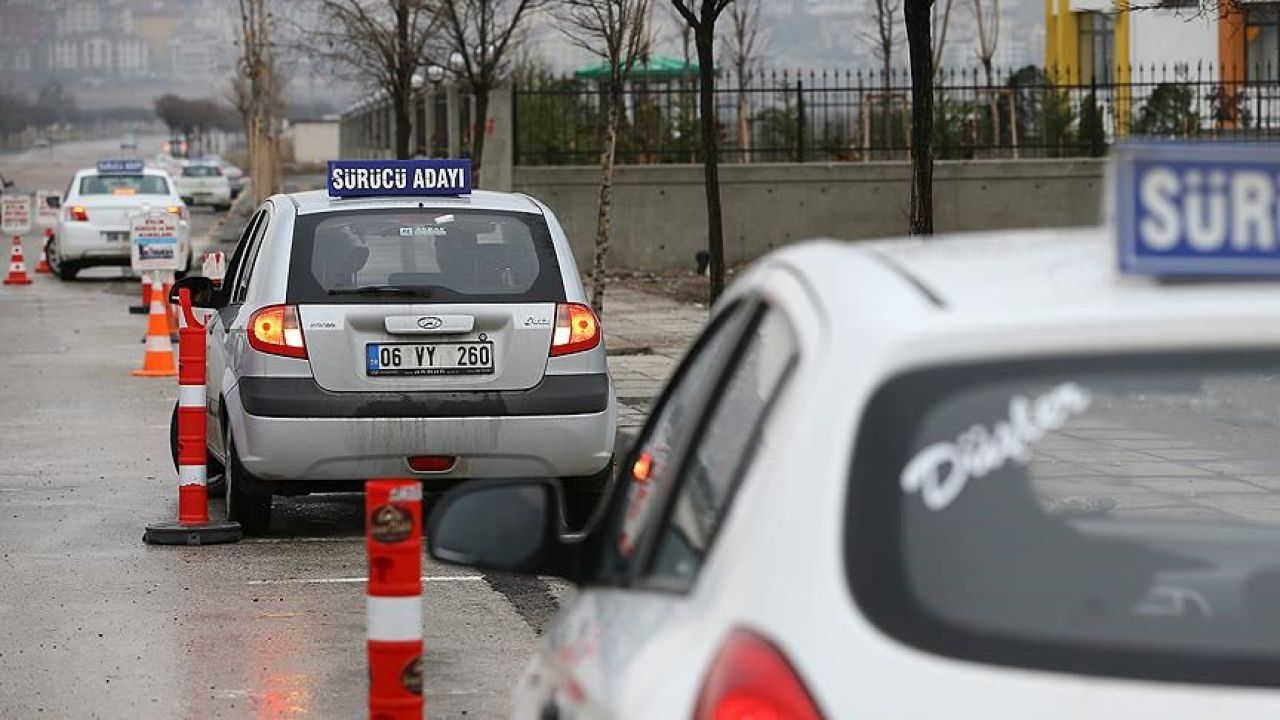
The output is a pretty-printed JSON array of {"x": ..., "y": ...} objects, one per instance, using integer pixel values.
[{"x": 345, "y": 580}]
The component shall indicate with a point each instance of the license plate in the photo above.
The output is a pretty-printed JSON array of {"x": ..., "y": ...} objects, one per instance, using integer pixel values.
[
  {"x": 464, "y": 358},
  {"x": 115, "y": 237}
]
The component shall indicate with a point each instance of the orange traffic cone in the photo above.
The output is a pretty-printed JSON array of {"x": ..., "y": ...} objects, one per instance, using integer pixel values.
[
  {"x": 17, "y": 266},
  {"x": 158, "y": 360},
  {"x": 43, "y": 267}
]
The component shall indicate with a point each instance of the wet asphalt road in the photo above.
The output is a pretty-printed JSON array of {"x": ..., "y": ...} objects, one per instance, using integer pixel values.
[{"x": 95, "y": 624}]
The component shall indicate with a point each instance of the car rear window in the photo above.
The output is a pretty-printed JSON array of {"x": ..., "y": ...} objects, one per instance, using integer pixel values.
[
  {"x": 1116, "y": 516},
  {"x": 123, "y": 185},
  {"x": 200, "y": 171},
  {"x": 443, "y": 256}
]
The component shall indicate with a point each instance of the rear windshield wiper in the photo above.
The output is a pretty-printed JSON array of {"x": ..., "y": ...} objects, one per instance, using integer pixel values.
[{"x": 412, "y": 290}]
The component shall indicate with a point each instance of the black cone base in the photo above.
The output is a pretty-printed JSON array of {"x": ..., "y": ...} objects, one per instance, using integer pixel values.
[{"x": 211, "y": 533}]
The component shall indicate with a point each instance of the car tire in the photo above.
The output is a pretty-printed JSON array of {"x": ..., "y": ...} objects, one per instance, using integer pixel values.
[
  {"x": 217, "y": 485},
  {"x": 248, "y": 498},
  {"x": 583, "y": 496},
  {"x": 64, "y": 269}
]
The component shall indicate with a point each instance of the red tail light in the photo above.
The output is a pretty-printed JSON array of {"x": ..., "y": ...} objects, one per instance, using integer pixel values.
[
  {"x": 577, "y": 329},
  {"x": 78, "y": 213},
  {"x": 275, "y": 330},
  {"x": 751, "y": 680},
  {"x": 431, "y": 463}
]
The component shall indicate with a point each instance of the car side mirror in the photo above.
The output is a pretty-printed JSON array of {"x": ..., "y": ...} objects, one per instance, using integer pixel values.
[
  {"x": 512, "y": 526},
  {"x": 8, "y": 183},
  {"x": 53, "y": 201},
  {"x": 495, "y": 526},
  {"x": 202, "y": 292}
]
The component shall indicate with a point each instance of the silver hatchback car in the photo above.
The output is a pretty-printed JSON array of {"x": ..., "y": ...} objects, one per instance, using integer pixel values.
[{"x": 446, "y": 338}]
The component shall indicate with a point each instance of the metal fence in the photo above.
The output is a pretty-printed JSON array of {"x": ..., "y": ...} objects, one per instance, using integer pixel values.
[{"x": 853, "y": 116}]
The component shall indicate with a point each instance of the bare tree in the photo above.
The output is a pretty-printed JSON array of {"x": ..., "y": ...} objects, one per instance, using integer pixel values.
[
  {"x": 988, "y": 37},
  {"x": 481, "y": 34},
  {"x": 383, "y": 41},
  {"x": 617, "y": 32},
  {"x": 941, "y": 20},
  {"x": 701, "y": 17},
  {"x": 257, "y": 65},
  {"x": 744, "y": 43},
  {"x": 916, "y": 14},
  {"x": 885, "y": 41}
]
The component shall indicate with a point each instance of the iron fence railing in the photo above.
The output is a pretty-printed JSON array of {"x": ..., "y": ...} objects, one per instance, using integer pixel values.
[{"x": 851, "y": 116}]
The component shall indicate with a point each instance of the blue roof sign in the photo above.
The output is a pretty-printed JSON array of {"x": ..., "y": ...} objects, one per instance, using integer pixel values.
[
  {"x": 119, "y": 167},
  {"x": 1197, "y": 209},
  {"x": 398, "y": 178}
]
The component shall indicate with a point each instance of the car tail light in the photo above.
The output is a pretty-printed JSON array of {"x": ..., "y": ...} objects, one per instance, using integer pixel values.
[
  {"x": 432, "y": 463},
  {"x": 78, "y": 213},
  {"x": 577, "y": 329},
  {"x": 751, "y": 679},
  {"x": 178, "y": 210},
  {"x": 275, "y": 330}
]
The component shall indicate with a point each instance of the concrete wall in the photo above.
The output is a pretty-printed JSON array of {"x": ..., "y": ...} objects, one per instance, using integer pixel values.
[
  {"x": 315, "y": 142},
  {"x": 660, "y": 211}
]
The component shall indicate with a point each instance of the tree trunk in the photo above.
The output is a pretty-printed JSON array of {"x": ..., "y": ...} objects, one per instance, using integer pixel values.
[
  {"x": 916, "y": 14},
  {"x": 705, "y": 40},
  {"x": 604, "y": 219},
  {"x": 994, "y": 103},
  {"x": 744, "y": 125},
  {"x": 480, "y": 123},
  {"x": 403, "y": 108}
]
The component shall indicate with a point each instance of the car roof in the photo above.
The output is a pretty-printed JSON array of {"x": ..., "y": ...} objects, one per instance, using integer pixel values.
[
  {"x": 318, "y": 201},
  {"x": 146, "y": 170},
  {"x": 1026, "y": 271}
]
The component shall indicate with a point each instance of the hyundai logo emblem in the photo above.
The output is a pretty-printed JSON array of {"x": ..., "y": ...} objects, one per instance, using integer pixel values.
[{"x": 430, "y": 322}]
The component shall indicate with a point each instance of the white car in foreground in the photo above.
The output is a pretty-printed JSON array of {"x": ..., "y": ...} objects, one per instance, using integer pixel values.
[
  {"x": 97, "y": 212},
  {"x": 985, "y": 476}
]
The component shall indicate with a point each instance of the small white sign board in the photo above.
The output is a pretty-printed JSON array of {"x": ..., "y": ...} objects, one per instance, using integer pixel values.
[
  {"x": 215, "y": 267},
  {"x": 47, "y": 204},
  {"x": 153, "y": 239},
  {"x": 15, "y": 214}
]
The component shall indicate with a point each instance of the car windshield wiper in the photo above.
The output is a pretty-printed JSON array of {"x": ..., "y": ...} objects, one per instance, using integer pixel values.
[{"x": 413, "y": 290}]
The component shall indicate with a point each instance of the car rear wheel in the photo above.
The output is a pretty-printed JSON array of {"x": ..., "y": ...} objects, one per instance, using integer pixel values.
[
  {"x": 248, "y": 500},
  {"x": 64, "y": 269},
  {"x": 583, "y": 496}
]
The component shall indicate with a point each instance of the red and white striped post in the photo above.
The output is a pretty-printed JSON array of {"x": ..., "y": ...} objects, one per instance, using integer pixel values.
[
  {"x": 393, "y": 538},
  {"x": 193, "y": 526}
]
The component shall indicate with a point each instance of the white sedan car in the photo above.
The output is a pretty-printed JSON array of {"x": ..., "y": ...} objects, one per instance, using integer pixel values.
[
  {"x": 98, "y": 208},
  {"x": 983, "y": 477},
  {"x": 203, "y": 183}
]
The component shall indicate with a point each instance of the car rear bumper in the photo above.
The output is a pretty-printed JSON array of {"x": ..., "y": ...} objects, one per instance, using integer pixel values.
[
  {"x": 80, "y": 242},
  {"x": 304, "y": 398},
  {"x": 354, "y": 438}
]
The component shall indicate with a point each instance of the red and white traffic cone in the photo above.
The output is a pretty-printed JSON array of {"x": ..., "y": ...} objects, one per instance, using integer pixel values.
[
  {"x": 42, "y": 268},
  {"x": 393, "y": 539},
  {"x": 17, "y": 266},
  {"x": 193, "y": 526}
]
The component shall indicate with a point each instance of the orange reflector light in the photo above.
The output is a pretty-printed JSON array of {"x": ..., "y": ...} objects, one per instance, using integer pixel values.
[
  {"x": 124, "y": 191},
  {"x": 577, "y": 329},
  {"x": 275, "y": 330},
  {"x": 178, "y": 210},
  {"x": 642, "y": 468},
  {"x": 432, "y": 463}
]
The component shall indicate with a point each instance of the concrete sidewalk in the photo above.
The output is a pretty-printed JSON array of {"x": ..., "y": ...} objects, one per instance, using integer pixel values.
[{"x": 646, "y": 336}]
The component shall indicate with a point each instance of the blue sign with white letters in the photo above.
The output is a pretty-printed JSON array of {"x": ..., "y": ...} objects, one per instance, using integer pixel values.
[
  {"x": 119, "y": 167},
  {"x": 1197, "y": 209},
  {"x": 398, "y": 178}
]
